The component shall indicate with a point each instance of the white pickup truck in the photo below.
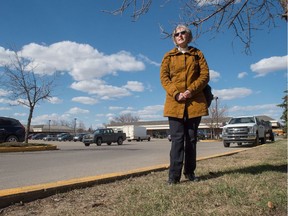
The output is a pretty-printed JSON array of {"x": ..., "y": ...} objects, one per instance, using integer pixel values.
[{"x": 244, "y": 129}]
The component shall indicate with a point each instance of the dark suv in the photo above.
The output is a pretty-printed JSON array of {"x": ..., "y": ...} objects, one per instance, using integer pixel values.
[{"x": 11, "y": 130}]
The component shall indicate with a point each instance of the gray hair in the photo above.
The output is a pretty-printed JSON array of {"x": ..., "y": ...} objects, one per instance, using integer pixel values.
[{"x": 186, "y": 29}]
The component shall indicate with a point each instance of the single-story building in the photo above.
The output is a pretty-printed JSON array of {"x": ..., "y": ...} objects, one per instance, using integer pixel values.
[{"x": 158, "y": 129}]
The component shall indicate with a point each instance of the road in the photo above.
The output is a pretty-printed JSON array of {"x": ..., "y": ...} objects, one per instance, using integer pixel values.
[{"x": 74, "y": 160}]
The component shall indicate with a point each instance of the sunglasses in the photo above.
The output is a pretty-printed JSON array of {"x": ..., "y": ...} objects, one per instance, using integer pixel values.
[{"x": 179, "y": 33}]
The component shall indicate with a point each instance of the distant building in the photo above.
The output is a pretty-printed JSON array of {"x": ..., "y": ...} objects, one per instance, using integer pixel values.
[
  {"x": 51, "y": 129},
  {"x": 160, "y": 129}
]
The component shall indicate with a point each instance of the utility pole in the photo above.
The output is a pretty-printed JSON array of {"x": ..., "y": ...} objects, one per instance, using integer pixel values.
[
  {"x": 49, "y": 125},
  {"x": 75, "y": 119},
  {"x": 217, "y": 120}
]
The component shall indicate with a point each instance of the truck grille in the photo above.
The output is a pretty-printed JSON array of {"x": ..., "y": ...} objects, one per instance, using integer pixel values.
[{"x": 238, "y": 130}]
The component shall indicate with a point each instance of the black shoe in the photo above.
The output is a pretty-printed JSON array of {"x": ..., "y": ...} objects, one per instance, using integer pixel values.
[
  {"x": 191, "y": 177},
  {"x": 173, "y": 181}
]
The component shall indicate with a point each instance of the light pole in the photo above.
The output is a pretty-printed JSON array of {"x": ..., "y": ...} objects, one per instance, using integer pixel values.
[
  {"x": 75, "y": 119},
  {"x": 216, "y": 99},
  {"x": 49, "y": 125}
]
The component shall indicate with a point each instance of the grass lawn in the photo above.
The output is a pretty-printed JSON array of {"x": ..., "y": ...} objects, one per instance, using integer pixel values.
[{"x": 252, "y": 182}]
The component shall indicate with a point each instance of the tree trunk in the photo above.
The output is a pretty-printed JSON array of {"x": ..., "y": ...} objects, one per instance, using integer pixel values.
[{"x": 29, "y": 123}]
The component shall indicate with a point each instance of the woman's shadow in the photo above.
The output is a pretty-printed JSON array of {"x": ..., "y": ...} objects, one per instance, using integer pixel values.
[{"x": 254, "y": 170}]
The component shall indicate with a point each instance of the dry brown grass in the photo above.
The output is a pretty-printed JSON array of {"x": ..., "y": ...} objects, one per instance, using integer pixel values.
[{"x": 253, "y": 182}]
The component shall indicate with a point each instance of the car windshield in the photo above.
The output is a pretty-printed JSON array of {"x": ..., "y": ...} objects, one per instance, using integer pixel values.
[
  {"x": 97, "y": 132},
  {"x": 242, "y": 120}
]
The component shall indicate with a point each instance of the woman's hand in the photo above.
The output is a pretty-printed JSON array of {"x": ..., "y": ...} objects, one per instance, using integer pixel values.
[
  {"x": 187, "y": 94},
  {"x": 180, "y": 97}
]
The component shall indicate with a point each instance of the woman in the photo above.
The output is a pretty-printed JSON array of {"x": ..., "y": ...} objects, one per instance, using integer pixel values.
[{"x": 184, "y": 73}]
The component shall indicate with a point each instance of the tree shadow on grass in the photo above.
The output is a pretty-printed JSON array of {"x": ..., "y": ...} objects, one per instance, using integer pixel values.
[{"x": 254, "y": 170}]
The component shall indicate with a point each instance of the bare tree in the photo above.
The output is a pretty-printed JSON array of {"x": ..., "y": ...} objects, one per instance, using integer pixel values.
[
  {"x": 284, "y": 105},
  {"x": 81, "y": 127},
  {"x": 63, "y": 122},
  {"x": 90, "y": 129},
  {"x": 54, "y": 122},
  {"x": 217, "y": 115},
  {"x": 284, "y": 4},
  {"x": 140, "y": 7},
  {"x": 25, "y": 87},
  {"x": 243, "y": 17},
  {"x": 125, "y": 118}
]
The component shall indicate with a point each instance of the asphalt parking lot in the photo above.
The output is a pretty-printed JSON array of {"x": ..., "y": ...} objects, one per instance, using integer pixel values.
[{"x": 74, "y": 165}]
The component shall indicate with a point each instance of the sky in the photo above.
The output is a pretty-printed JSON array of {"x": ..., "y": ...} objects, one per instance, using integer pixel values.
[{"x": 109, "y": 65}]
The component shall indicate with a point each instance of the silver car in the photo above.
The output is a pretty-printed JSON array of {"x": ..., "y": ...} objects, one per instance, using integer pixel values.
[
  {"x": 50, "y": 138},
  {"x": 79, "y": 137}
]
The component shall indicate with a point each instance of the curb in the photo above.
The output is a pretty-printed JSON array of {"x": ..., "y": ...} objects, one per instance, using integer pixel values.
[
  {"x": 209, "y": 140},
  {"x": 34, "y": 192},
  {"x": 30, "y": 193},
  {"x": 28, "y": 148}
]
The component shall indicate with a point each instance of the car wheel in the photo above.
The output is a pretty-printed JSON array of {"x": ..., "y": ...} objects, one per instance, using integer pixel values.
[
  {"x": 86, "y": 144},
  {"x": 12, "y": 138},
  {"x": 108, "y": 143},
  {"x": 226, "y": 144},
  {"x": 256, "y": 142},
  {"x": 263, "y": 140},
  {"x": 272, "y": 137},
  {"x": 99, "y": 142},
  {"x": 120, "y": 141}
]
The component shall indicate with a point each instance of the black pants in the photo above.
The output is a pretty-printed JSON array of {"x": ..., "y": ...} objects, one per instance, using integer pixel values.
[{"x": 183, "y": 146}]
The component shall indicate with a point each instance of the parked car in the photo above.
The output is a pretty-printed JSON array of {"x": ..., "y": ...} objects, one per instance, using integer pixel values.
[
  {"x": 11, "y": 130},
  {"x": 38, "y": 136},
  {"x": 200, "y": 136},
  {"x": 60, "y": 134},
  {"x": 65, "y": 137},
  {"x": 30, "y": 136},
  {"x": 78, "y": 137},
  {"x": 50, "y": 137}
]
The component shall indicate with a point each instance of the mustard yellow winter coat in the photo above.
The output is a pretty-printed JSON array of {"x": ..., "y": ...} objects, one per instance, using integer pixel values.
[{"x": 179, "y": 72}]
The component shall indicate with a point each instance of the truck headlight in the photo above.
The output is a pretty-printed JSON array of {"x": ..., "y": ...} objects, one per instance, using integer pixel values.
[{"x": 251, "y": 129}]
